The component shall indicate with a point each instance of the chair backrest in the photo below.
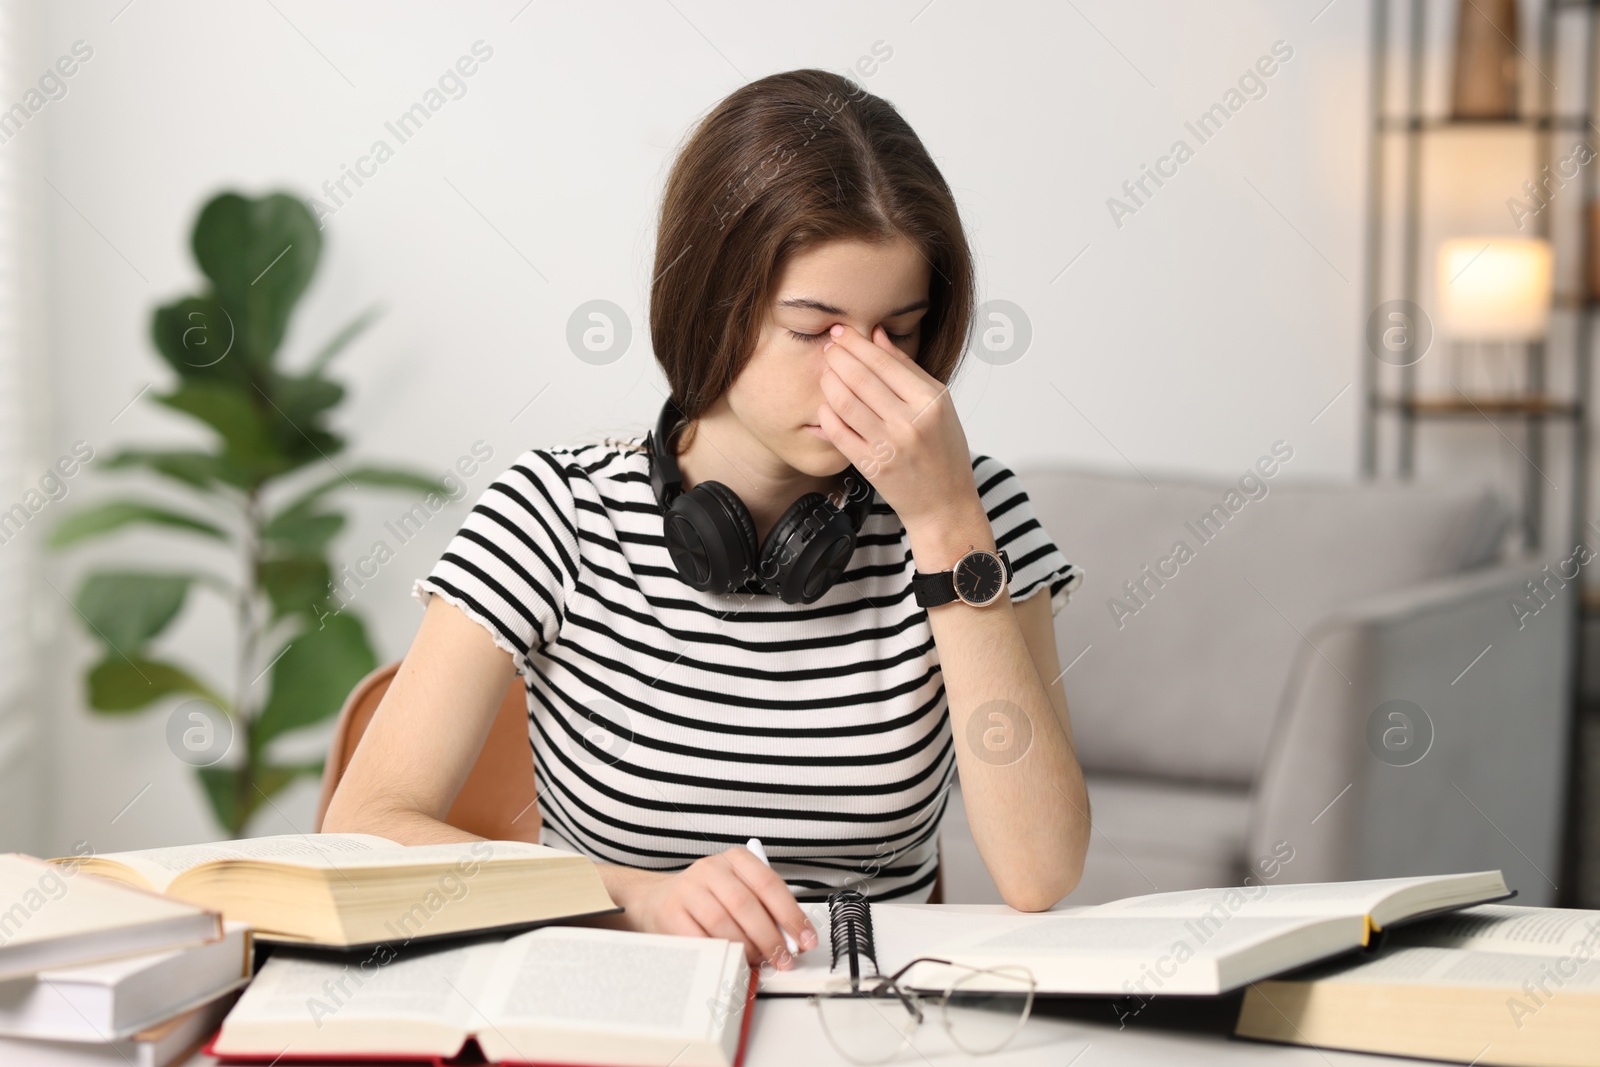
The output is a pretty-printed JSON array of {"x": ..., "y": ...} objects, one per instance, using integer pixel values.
[{"x": 497, "y": 799}]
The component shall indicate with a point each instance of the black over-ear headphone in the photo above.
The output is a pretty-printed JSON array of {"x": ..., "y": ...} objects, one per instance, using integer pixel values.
[{"x": 712, "y": 537}]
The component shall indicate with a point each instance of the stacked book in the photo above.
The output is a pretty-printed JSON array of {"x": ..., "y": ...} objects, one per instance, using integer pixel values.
[
  {"x": 311, "y": 948},
  {"x": 92, "y": 972}
]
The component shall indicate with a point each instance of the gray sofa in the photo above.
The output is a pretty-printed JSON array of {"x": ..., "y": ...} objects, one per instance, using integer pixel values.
[{"x": 1249, "y": 707}]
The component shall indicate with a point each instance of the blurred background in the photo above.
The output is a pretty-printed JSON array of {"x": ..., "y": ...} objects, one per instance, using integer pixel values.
[{"x": 1302, "y": 288}]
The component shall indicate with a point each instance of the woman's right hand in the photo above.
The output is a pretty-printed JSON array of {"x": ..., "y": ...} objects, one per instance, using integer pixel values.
[{"x": 729, "y": 894}]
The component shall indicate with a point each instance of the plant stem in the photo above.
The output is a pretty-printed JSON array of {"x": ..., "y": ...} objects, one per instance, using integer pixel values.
[{"x": 249, "y": 639}]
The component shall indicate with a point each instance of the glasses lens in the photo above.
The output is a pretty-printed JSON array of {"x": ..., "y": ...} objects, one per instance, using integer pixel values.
[
  {"x": 865, "y": 1028},
  {"x": 986, "y": 1008}
]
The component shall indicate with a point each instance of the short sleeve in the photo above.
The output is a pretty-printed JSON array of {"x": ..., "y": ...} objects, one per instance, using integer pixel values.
[
  {"x": 514, "y": 561},
  {"x": 1036, "y": 562}
]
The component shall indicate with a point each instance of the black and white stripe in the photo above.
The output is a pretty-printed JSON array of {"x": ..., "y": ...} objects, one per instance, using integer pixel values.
[{"x": 820, "y": 728}]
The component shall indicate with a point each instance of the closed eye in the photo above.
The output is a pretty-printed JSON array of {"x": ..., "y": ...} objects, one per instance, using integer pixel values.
[{"x": 819, "y": 336}]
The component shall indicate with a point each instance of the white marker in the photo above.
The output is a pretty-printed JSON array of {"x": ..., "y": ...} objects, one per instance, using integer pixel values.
[{"x": 754, "y": 845}]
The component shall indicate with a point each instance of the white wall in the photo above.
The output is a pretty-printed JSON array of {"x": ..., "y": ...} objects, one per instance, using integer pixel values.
[
  {"x": 22, "y": 732},
  {"x": 1221, "y": 317}
]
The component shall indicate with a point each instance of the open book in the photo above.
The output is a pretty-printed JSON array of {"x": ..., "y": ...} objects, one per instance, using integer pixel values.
[
  {"x": 559, "y": 994},
  {"x": 1489, "y": 984},
  {"x": 358, "y": 889},
  {"x": 1198, "y": 941}
]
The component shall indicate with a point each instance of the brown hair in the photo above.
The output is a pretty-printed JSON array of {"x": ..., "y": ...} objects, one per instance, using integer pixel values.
[{"x": 781, "y": 165}]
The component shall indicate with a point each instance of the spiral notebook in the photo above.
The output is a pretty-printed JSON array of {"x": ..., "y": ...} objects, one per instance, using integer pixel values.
[
  {"x": 1198, "y": 941},
  {"x": 865, "y": 938}
]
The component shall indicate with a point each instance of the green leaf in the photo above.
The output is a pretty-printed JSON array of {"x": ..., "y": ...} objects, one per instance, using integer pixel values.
[
  {"x": 273, "y": 777},
  {"x": 375, "y": 478},
  {"x": 114, "y": 515},
  {"x": 128, "y": 683},
  {"x": 235, "y": 416},
  {"x": 311, "y": 680},
  {"x": 222, "y": 789},
  {"x": 305, "y": 399},
  {"x": 295, "y": 584},
  {"x": 299, "y": 407},
  {"x": 128, "y": 608},
  {"x": 260, "y": 254},
  {"x": 199, "y": 339},
  {"x": 201, "y": 470},
  {"x": 301, "y": 531},
  {"x": 320, "y": 361},
  {"x": 220, "y": 785}
]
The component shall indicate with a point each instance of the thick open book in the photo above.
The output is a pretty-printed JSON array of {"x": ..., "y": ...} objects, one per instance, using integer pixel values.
[
  {"x": 559, "y": 994},
  {"x": 1490, "y": 984},
  {"x": 358, "y": 889},
  {"x": 53, "y": 916},
  {"x": 1199, "y": 941}
]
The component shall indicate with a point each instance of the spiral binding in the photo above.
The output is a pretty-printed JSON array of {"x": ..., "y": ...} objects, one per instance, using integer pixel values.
[{"x": 850, "y": 930}]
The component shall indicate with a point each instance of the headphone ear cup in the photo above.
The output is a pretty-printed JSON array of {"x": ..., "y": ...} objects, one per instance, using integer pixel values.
[
  {"x": 711, "y": 537},
  {"x": 806, "y": 550}
]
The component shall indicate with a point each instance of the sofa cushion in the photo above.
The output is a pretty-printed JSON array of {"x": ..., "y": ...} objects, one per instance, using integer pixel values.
[
  {"x": 1199, "y": 593},
  {"x": 1148, "y": 836}
]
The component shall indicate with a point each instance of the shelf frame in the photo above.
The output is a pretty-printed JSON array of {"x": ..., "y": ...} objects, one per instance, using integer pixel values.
[{"x": 1536, "y": 412}]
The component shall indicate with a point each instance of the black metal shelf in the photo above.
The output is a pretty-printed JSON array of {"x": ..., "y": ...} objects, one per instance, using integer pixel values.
[
  {"x": 1517, "y": 406},
  {"x": 1422, "y": 123},
  {"x": 1537, "y": 412}
]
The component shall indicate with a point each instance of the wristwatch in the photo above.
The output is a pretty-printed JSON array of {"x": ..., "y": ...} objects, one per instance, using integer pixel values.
[{"x": 976, "y": 579}]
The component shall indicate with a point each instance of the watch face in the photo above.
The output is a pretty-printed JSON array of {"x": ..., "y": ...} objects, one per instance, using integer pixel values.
[{"x": 979, "y": 577}]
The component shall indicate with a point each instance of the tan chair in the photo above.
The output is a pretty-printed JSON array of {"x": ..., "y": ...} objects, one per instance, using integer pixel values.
[{"x": 497, "y": 801}]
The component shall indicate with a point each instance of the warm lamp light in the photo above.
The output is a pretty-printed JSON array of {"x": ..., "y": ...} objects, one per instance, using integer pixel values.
[{"x": 1494, "y": 288}]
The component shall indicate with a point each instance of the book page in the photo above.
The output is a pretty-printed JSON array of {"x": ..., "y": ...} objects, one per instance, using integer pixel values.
[
  {"x": 618, "y": 981},
  {"x": 900, "y": 933},
  {"x": 1307, "y": 899},
  {"x": 1507, "y": 928},
  {"x": 1122, "y": 937},
  {"x": 440, "y": 986},
  {"x": 1422, "y": 966},
  {"x": 159, "y": 866}
]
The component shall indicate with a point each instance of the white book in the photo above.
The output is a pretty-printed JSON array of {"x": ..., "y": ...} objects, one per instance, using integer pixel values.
[
  {"x": 1200, "y": 941},
  {"x": 115, "y": 999},
  {"x": 558, "y": 994},
  {"x": 162, "y": 1045},
  {"x": 54, "y": 915}
]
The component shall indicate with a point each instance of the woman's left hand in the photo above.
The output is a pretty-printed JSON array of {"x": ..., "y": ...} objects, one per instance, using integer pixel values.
[{"x": 897, "y": 424}]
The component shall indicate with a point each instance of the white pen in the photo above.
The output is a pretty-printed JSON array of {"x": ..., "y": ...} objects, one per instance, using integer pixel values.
[{"x": 754, "y": 845}]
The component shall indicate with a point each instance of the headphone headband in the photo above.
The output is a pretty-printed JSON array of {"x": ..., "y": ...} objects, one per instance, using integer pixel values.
[{"x": 665, "y": 477}]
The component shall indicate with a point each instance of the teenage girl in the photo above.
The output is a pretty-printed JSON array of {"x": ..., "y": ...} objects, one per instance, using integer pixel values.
[{"x": 796, "y": 607}]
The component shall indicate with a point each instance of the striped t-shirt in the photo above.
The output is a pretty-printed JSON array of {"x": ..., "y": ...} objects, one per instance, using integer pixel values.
[{"x": 668, "y": 724}]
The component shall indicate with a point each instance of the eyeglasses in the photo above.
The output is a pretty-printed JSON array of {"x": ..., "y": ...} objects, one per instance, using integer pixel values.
[{"x": 870, "y": 1020}]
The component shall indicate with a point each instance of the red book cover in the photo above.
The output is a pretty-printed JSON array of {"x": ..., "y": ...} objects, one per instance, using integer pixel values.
[{"x": 287, "y": 1057}]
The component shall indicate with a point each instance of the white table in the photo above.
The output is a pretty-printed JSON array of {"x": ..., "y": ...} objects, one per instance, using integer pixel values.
[
  {"x": 1080, "y": 1032},
  {"x": 784, "y": 1033}
]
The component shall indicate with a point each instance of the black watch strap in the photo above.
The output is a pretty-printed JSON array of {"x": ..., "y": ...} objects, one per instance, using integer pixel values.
[{"x": 939, "y": 587}]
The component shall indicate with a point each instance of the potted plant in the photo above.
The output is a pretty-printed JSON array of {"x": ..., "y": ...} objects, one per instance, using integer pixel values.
[{"x": 264, "y": 489}]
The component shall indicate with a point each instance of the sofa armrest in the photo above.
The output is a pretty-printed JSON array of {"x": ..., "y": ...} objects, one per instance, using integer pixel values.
[{"x": 1342, "y": 784}]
